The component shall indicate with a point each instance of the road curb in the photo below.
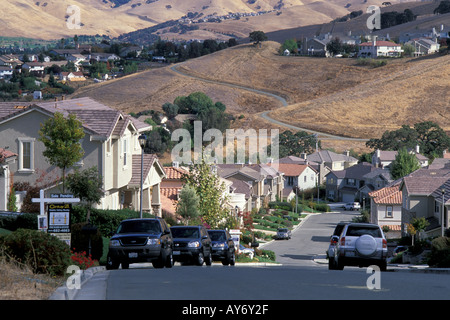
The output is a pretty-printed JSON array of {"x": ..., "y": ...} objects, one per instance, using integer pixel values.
[{"x": 65, "y": 293}]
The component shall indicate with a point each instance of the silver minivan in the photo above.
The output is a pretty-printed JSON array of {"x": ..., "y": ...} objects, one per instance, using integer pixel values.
[{"x": 360, "y": 244}]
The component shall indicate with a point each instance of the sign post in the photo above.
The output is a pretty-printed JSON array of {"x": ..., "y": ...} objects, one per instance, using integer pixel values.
[{"x": 57, "y": 222}]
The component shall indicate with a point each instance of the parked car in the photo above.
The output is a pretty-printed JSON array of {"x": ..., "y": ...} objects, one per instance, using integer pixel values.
[
  {"x": 283, "y": 233},
  {"x": 141, "y": 240},
  {"x": 360, "y": 244},
  {"x": 222, "y": 247},
  {"x": 352, "y": 206},
  {"x": 192, "y": 244},
  {"x": 333, "y": 241}
]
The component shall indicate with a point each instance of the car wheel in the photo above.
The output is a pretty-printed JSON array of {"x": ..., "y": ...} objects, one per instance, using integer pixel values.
[
  {"x": 339, "y": 265},
  {"x": 233, "y": 259},
  {"x": 200, "y": 259},
  {"x": 208, "y": 260},
  {"x": 169, "y": 261},
  {"x": 111, "y": 264},
  {"x": 331, "y": 264}
]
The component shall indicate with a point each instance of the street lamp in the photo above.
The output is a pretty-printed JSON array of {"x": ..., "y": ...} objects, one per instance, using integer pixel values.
[
  {"x": 142, "y": 140},
  {"x": 442, "y": 213}
]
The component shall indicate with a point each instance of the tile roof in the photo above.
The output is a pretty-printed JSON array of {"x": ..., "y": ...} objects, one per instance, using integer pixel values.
[
  {"x": 149, "y": 160},
  {"x": 5, "y": 154},
  {"x": 290, "y": 169},
  {"x": 174, "y": 173},
  {"x": 387, "y": 195},
  {"x": 329, "y": 156}
]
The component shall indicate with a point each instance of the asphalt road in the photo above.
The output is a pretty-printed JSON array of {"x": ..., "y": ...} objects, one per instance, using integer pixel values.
[{"x": 298, "y": 277}]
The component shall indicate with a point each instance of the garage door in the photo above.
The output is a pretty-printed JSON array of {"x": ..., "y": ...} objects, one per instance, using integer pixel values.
[{"x": 348, "y": 197}]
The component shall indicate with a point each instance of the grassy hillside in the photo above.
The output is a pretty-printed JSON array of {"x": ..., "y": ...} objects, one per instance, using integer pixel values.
[
  {"x": 46, "y": 19},
  {"x": 329, "y": 95}
]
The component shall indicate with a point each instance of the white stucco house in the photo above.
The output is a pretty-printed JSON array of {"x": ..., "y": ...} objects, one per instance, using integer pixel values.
[
  {"x": 110, "y": 143},
  {"x": 376, "y": 49}
]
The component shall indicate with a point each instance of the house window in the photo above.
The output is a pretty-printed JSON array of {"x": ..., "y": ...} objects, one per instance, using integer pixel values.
[
  {"x": 26, "y": 154},
  {"x": 125, "y": 149},
  {"x": 437, "y": 207},
  {"x": 305, "y": 179},
  {"x": 351, "y": 182},
  {"x": 330, "y": 180},
  {"x": 290, "y": 181},
  {"x": 389, "y": 212}
]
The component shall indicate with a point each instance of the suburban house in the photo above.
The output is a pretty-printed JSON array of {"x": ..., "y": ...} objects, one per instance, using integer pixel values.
[
  {"x": 6, "y": 158},
  {"x": 6, "y": 72},
  {"x": 302, "y": 176},
  {"x": 386, "y": 209},
  {"x": 426, "y": 193},
  {"x": 72, "y": 76},
  {"x": 325, "y": 161},
  {"x": 424, "y": 46},
  {"x": 317, "y": 47},
  {"x": 345, "y": 185},
  {"x": 110, "y": 144},
  {"x": 258, "y": 183},
  {"x": 376, "y": 49},
  {"x": 375, "y": 180},
  {"x": 10, "y": 60},
  {"x": 102, "y": 57},
  {"x": 384, "y": 158},
  {"x": 170, "y": 188},
  {"x": 34, "y": 68}
]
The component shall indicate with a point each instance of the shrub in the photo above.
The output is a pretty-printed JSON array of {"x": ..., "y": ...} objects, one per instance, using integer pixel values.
[
  {"x": 80, "y": 241},
  {"x": 440, "y": 253},
  {"x": 42, "y": 252},
  {"x": 22, "y": 221},
  {"x": 280, "y": 205},
  {"x": 82, "y": 260}
]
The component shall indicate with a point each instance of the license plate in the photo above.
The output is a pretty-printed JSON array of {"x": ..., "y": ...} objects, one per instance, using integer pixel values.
[
  {"x": 132, "y": 255},
  {"x": 176, "y": 253}
]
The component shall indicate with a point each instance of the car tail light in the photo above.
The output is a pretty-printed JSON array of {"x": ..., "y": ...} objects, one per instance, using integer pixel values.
[
  {"x": 343, "y": 241},
  {"x": 384, "y": 244}
]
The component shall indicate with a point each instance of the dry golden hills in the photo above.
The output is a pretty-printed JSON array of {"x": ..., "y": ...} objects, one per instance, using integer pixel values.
[
  {"x": 46, "y": 19},
  {"x": 328, "y": 95}
]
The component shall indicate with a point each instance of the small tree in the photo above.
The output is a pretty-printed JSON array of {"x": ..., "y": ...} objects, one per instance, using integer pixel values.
[
  {"x": 187, "y": 206},
  {"x": 86, "y": 185},
  {"x": 210, "y": 190},
  {"x": 404, "y": 164},
  {"x": 61, "y": 137},
  {"x": 257, "y": 37}
]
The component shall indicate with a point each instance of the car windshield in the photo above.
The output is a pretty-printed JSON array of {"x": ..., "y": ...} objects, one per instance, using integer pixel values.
[
  {"x": 217, "y": 235},
  {"x": 282, "y": 230},
  {"x": 357, "y": 231},
  {"x": 146, "y": 226},
  {"x": 185, "y": 233}
]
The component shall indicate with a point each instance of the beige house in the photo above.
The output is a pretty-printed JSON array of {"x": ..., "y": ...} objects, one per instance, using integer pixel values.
[
  {"x": 386, "y": 209},
  {"x": 110, "y": 143}
]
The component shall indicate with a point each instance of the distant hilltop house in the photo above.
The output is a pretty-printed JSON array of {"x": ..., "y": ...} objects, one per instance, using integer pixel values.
[
  {"x": 110, "y": 144},
  {"x": 72, "y": 76},
  {"x": 375, "y": 49},
  {"x": 424, "y": 46},
  {"x": 384, "y": 158}
]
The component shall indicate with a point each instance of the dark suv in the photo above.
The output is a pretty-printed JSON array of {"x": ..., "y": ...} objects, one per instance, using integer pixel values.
[
  {"x": 141, "y": 240},
  {"x": 222, "y": 247},
  {"x": 191, "y": 244}
]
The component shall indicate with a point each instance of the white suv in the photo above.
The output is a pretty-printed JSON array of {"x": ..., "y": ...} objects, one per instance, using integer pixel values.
[{"x": 360, "y": 244}]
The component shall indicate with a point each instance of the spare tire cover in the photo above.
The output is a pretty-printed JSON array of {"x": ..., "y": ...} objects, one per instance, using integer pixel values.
[{"x": 366, "y": 245}]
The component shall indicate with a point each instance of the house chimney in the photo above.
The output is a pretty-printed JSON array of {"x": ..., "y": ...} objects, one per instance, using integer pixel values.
[
  {"x": 303, "y": 155},
  {"x": 347, "y": 153},
  {"x": 175, "y": 164},
  {"x": 417, "y": 149},
  {"x": 374, "y": 41}
]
